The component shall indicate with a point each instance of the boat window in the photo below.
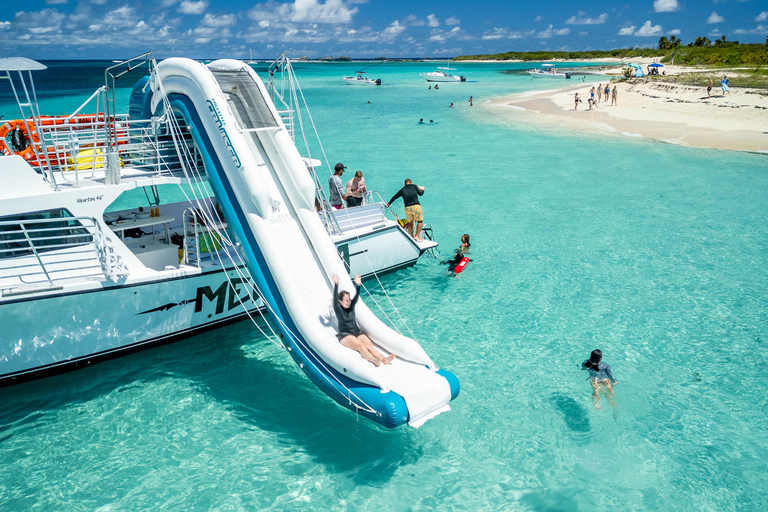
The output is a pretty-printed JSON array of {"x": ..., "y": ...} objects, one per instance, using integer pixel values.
[
  {"x": 245, "y": 99},
  {"x": 45, "y": 231}
]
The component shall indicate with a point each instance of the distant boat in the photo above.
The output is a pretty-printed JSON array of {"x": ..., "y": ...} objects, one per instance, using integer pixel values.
[
  {"x": 548, "y": 71},
  {"x": 441, "y": 75},
  {"x": 251, "y": 61},
  {"x": 361, "y": 80}
]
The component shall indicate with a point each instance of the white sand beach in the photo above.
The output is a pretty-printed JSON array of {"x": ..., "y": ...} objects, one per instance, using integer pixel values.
[{"x": 670, "y": 112}]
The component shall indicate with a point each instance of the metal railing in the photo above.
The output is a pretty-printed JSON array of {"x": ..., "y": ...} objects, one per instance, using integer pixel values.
[{"x": 44, "y": 252}]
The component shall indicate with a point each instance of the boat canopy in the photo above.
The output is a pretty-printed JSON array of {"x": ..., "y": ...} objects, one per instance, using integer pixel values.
[
  {"x": 448, "y": 69},
  {"x": 20, "y": 64},
  {"x": 547, "y": 65}
]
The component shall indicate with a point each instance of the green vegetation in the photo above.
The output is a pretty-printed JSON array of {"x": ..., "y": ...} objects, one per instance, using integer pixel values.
[
  {"x": 593, "y": 54},
  {"x": 701, "y": 51}
]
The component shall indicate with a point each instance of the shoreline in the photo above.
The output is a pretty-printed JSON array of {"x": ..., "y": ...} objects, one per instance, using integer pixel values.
[{"x": 667, "y": 112}]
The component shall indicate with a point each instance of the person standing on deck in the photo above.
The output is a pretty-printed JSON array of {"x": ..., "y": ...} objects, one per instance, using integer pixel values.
[
  {"x": 355, "y": 190},
  {"x": 410, "y": 194},
  {"x": 336, "y": 187}
]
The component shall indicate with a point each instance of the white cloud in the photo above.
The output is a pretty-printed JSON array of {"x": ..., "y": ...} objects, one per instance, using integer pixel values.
[
  {"x": 308, "y": 11},
  {"x": 190, "y": 7},
  {"x": 121, "y": 16},
  {"x": 648, "y": 30},
  {"x": 715, "y": 18},
  {"x": 505, "y": 33},
  {"x": 538, "y": 18},
  {"x": 452, "y": 21},
  {"x": 627, "y": 31},
  {"x": 674, "y": 32},
  {"x": 432, "y": 21},
  {"x": 55, "y": 2},
  {"x": 393, "y": 30},
  {"x": 264, "y": 23},
  {"x": 5, "y": 25},
  {"x": 715, "y": 33},
  {"x": 98, "y": 2},
  {"x": 665, "y": 6},
  {"x": 225, "y": 20},
  {"x": 580, "y": 19},
  {"x": 759, "y": 30},
  {"x": 549, "y": 32},
  {"x": 763, "y": 16}
]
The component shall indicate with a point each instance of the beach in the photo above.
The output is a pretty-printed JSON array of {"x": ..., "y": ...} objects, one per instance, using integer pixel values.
[{"x": 674, "y": 113}]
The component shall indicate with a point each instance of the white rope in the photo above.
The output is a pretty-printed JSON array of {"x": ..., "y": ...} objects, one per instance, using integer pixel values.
[
  {"x": 208, "y": 215},
  {"x": 322, "y": 149}
]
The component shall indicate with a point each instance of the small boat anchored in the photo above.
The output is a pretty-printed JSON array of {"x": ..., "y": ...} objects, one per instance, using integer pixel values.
[
  {"x": 442, "y": 75},
  {"x": 361, "y": 80},
  {"x": 548, "y": 71}
]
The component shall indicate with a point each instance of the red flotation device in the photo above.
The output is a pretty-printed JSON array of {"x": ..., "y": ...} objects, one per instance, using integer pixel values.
[{"x": 461, "y": 265}]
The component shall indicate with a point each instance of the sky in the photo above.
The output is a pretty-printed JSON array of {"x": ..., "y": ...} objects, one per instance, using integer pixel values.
[{"x": 114, "y": 29}]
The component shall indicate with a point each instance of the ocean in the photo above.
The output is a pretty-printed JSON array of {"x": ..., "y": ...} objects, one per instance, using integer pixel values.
[{"x": 654, "y": 253}]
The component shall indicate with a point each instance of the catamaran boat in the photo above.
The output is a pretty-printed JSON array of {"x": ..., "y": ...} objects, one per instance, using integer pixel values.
[
  {"x": 547, "y": 71},
  {"x": 361, "y": 80},
  {"x": 442, "y": 75},
  {"x": 94, "y": 263}
]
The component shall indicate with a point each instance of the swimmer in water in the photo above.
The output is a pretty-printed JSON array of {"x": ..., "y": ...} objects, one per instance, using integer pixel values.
[
  {"x": 465, "y": 245},
  {"x": 601, "y": 375},
  {"x": 421, "y": 121},
  {"x": 453, "y": 262}
]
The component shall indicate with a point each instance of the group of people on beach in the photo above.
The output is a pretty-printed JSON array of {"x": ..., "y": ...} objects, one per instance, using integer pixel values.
[{"x": 601, "y": 93}]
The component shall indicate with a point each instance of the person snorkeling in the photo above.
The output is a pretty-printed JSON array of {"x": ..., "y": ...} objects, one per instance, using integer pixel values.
[
  {"x": 601, "y": 375},
  {"x": 454, "y": 262}
]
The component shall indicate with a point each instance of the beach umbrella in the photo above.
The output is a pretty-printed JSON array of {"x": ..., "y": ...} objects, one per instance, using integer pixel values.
[
  {"x": 657, "y": 65},
  {"x": 636, "y": 66}
]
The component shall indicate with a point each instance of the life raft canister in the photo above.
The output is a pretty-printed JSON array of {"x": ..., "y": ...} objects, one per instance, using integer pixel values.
[{"x": 461, "y": 265}]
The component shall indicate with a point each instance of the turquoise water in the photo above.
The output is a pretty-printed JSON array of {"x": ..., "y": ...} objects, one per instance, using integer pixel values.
[{"x": 654, "y": 253}]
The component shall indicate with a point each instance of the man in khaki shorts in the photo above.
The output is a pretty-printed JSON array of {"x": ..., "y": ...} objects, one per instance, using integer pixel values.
[{"x": 410, "y": 194}]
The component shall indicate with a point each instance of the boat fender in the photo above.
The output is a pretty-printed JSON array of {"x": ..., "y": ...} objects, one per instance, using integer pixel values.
[
  {"x": 19, "y": 141},
  {"x": 462, "y": 264}
]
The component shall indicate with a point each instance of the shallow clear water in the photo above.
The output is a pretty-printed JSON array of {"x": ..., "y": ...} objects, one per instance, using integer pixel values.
[{"x": 654, "y": 253}]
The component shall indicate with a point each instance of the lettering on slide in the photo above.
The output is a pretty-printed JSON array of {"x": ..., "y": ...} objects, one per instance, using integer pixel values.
[{"x": 216, "y": 114}]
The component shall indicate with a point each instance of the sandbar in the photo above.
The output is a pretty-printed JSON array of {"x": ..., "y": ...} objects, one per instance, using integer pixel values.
[{"x": 674, "y": 113}]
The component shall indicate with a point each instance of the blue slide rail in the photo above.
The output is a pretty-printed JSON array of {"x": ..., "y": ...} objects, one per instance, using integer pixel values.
[{"x": 388, "y": 409}]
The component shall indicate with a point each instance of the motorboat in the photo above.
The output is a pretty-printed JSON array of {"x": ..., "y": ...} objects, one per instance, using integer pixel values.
[
  {"x": 547, "y": 71},
  {"x": 443, "y": 75},
  {"x": 120, "y": 231},
  {"x": 361, "y": 80}
]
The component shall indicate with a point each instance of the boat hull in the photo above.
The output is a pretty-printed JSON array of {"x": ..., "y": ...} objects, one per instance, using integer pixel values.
[
  {"x": 548, "y": 75},
  {"x": 441, "y": 78},
  {"x": 355, "y": 81},
  {"x": 63, "y": 331}
]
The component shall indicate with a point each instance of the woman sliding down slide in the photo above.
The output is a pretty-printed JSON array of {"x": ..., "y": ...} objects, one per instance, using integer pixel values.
[{"x": 349, "y": 333}]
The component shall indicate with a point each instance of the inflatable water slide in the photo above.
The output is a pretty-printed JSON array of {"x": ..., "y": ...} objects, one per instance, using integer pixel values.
[{"x": 267, "y": 196}]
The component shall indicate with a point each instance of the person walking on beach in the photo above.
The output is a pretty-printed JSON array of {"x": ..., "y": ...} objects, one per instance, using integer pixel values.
[
  {"x": 336, "y": 187},
  {"x": 709, "y": 87},
  {"x": 355, "y": 190},
  {"x": 601, "y": 375},
  {"x": 592, "y": 93},
  {"x": 349, "y": 333},
  {"x": 724, "y": 85},
  {"x": 576, "y": 100},
  {"x": 614, "y": 93},
  {"x": 410, "y": 194},
  {"x": 599, "y": 92},
  {"x": 607, "y": 91}
]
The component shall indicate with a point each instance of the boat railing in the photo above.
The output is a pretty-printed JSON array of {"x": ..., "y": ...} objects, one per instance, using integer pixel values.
[
  {"x": 43, "y": 253},
  {"x": 78, "y": 148}
]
